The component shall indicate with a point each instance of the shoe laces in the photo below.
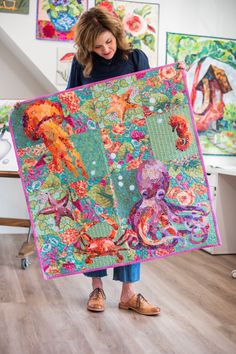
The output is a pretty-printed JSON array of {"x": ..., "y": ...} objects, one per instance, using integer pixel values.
[
  {"x": 140, "y": 299},
  {"x": 97, "y": 293}
]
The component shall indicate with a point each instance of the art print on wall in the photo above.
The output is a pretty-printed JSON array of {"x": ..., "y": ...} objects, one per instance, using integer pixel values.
[
  {"x": 113, "y": 174},
  {"x": 56, "y": 19},
  {"x": 141, "y": 22},
  {"x": 211, "y": 65},
  {"x": 14, "y": 6},
  {"x": 64, "y": 61},
  {"x": 7, "y": 153}
]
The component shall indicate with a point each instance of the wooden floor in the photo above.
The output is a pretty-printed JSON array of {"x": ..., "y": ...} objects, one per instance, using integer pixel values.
[{"x": 195, "y": 291}]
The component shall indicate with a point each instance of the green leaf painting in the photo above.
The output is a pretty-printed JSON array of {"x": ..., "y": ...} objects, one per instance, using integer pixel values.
[{"x": 211, "y": 72}]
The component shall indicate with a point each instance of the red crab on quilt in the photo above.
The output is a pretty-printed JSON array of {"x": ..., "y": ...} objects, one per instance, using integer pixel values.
[{"x": 103, "y": 246}]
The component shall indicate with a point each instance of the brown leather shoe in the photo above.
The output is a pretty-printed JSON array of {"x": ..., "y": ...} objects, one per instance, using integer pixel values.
[
  {"x": 139, "y": 304},
  {"x": 96, "y": 300}
]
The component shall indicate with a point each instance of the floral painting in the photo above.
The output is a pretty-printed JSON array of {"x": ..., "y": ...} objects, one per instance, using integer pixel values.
[
  {"x": 64, "y": 60},
  {"x": 14, "y": 6},
  {"x": 56, "y": 18},
  {"x": 7, "y": 152},
  {"x": 141, "y": 21},
  {"x": 113, "y": 174},
  {"x": 211, "y": 65}
]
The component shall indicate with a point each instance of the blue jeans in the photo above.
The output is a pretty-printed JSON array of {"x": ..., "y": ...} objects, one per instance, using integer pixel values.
[{"x": 126, "y": 274}]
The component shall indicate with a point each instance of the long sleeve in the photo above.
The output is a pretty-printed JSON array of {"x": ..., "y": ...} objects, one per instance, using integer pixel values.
[
  {"x": 140, "y": 59},
  {"x": 75, "y": 73}
]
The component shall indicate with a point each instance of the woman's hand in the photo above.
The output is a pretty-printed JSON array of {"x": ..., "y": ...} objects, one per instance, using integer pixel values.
[{"x": 16, "y": 105}]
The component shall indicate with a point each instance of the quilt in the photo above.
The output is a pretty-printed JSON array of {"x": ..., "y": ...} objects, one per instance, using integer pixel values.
[{"x": 113, "y": 173}]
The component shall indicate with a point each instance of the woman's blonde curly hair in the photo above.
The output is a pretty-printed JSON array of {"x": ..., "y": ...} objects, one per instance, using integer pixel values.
[{"x": 90, "y": 25}]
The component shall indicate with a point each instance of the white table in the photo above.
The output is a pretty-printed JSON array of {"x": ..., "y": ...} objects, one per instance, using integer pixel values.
[{"x": 222, "y": 182}]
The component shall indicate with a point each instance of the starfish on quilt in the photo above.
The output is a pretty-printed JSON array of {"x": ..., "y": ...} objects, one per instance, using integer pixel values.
[
  {"x": 58, "y": 208},
  {"x": 120, "y": 104}
]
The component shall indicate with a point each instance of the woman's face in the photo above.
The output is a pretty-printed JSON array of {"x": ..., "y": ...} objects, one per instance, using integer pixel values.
[{"x": 105, "y": 45}]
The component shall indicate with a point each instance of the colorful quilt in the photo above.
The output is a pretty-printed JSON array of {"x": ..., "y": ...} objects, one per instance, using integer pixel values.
[{"x": 113, "y": 173}]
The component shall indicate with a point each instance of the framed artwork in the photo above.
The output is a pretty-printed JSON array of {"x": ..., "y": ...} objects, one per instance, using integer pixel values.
[
  {"x": 14, "y": 6},
  {"x": 8, "y": 161},
  {"x": 211, "y": 73},
  {"x": 56, "y": 19},
  {"x": 64, "y": 61},
  {"x": 141, "y": 22},
  {"x": 113, "y": 174}
]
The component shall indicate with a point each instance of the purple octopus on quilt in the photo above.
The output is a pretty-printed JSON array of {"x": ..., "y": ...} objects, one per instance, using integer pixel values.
[{"x": 155, "y": 221}]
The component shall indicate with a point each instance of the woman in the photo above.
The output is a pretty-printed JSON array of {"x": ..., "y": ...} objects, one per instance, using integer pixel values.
[{"x": 103, "y": 53}]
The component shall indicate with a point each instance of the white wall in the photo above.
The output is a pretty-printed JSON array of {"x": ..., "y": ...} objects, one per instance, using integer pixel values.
[
  {"x": 200, "y": 17},
  {"x": 22, "y": 30},
  {"x": 20, "y": 77}
]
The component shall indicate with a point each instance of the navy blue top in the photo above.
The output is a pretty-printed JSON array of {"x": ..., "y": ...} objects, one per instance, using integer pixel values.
[{"x": 105, "y": 69}]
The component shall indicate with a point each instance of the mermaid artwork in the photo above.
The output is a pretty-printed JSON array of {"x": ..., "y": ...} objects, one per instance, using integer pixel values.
[{"x": 155, "y": 221}]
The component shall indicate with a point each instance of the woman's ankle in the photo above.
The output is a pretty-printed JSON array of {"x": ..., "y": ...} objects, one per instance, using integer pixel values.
[
  {"x": 97, "y": 283},
  {"x": 127, "y": 292}
]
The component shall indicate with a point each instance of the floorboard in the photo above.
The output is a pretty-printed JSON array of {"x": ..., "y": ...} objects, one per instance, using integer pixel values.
[{"x": 195, "y": 291}]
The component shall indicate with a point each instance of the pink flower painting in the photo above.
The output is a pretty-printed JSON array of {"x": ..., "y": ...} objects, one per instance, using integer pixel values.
[{"x": 140, "y": 23}]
